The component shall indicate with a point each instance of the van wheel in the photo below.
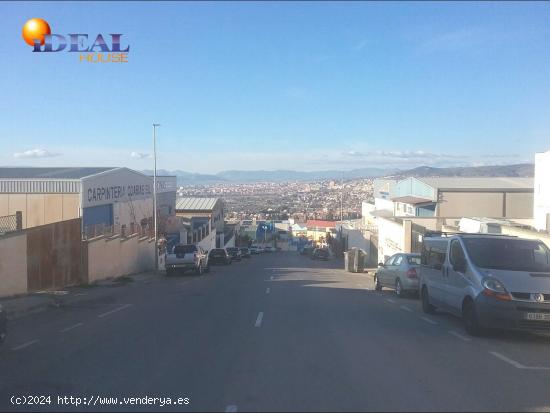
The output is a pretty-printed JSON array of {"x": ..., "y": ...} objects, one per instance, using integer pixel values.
[
  {"x": 469, "y": 317},
  {"x": 399, "y": 288},
  {"x": 426, "y": 306},
  {"x": 377, "y": 285}
]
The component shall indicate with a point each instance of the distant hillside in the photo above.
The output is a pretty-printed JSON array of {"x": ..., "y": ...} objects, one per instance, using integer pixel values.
[
  {"x": 288, "y": 175},
  {"x": 518, "y": 170},
  {"x": 267, "y": 176}
]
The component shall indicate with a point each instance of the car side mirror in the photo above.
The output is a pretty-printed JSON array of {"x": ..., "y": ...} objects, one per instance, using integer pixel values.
[{"x": 381, "y": 264}]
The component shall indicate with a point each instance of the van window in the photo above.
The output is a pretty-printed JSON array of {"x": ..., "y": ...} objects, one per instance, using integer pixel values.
[
  {"x": 434, "y": 254},
  {"x": 508, "y": 254},
  {"x": 457, "y": 253}
]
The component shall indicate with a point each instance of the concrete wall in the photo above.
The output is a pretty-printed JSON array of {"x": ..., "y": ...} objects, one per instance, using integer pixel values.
[
  {"x": 209, "y": 242},
  {"x": 391, "y": 238},
  {"x": 40, "y": 209},
  {"x": 115, "y": 257},
  {"x": 13, "y": 264}
]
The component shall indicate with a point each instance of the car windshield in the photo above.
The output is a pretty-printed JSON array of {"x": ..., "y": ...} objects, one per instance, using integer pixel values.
[
  {"x": 217, "y": 253},
  {"x": 509, "y": 254},
  {"x": 184, "y": 249},
  {"x": 413, "y": 260}
]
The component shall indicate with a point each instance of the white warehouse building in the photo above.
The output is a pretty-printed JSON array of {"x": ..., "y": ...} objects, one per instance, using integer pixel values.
[{"x": 101, "y": 196}]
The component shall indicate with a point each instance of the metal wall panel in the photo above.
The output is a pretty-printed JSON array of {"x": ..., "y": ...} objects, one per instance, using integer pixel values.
[{"x": 39, "y": 186}]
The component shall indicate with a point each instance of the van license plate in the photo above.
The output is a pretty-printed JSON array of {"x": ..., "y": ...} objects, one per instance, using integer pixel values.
[{"x": 538, "y": 316}]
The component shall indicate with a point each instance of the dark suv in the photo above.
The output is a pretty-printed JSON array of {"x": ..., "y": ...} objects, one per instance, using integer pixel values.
[{"x": 219, "y": 256}]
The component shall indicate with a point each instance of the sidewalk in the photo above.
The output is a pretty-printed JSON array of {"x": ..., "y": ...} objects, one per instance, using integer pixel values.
[{"x": 23, "y": 305}]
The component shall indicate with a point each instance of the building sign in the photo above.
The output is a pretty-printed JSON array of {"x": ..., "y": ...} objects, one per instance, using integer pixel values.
[
  {"x": 119, "y": 185},
  {"x": 166, "y": 184}
]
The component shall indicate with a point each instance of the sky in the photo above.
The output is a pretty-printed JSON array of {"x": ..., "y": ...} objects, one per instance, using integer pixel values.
[{"x": 280, "y": 85}]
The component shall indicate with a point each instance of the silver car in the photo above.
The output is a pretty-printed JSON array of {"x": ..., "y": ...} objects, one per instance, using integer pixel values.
[
  {"x": 491, "y": 281},
  {"x": 399, "y": 272}
]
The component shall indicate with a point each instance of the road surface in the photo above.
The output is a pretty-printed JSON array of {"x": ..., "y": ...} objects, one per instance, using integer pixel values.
[{"x": 277, "y": 332}]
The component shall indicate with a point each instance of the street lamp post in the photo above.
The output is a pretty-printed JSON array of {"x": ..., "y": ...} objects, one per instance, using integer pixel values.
[{"x": 155, "y": 125}]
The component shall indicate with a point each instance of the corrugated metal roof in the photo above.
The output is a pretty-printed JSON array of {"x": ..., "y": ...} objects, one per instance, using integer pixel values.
[
  {"x": 49, "y": 173},
  {"x": 479, "y": 183},
  {"x": 196, "y": 204}
]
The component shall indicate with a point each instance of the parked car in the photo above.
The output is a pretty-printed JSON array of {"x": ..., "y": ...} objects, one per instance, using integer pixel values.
[
  {"x": 306, "y": 250},
  {"x": 491, "y": 281},
  {"x": 219, "y": 256},
  {"x": 234, "y": 253},
  {"x": 320, "y": 254},
  {"x": 3, "y": 324},
  {"x": 186, "y": 257},
  {"x": 254, "y": 250},
  {"x": 245, "y": 252},
  {"x": 399, "y": 272},
  {"x": 269, "y": 249},
  {"x": 261, "y": 250}
]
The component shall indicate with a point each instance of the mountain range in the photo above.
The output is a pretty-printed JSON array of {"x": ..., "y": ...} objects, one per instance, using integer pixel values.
[{"x": 237, "y": 176}]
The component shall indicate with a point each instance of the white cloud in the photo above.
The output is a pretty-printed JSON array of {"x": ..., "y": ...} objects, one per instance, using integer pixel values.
[
  {"x": 35, "y": 153},
  {"x": 140, "y": 155}
]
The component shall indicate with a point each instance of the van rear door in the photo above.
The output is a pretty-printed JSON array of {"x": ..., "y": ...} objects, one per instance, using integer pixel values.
[{"x": 433, "y": 266}]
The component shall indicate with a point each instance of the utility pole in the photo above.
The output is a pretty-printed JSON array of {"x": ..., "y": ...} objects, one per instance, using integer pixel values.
[
  {"x": 155, "y": 125},
  {"x": 342, "y": 198}
]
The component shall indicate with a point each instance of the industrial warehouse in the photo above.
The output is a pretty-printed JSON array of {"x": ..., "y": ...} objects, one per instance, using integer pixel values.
[{"x": 102, "y": 197}]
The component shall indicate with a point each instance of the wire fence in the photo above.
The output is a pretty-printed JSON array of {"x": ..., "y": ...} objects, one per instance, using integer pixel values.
[
  {"x": 11, "y": 223},
  {"x": 103, "y": 230}
]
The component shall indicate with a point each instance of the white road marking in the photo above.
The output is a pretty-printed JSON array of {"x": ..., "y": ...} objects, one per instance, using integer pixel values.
[
  {"x": 507, "y": 360},
  {"x": 460, "y": 336},
  {"x": 268, "y": 290},
  {"x": 231, "y": 408},
  {"x": 427, "y": 320},
  {"x": 81, "y": 294},
  {"x": 271, "y": 277},
  {"x": 259, "y": 319},
  {"x": 516, "y": 364},
  {"x": 389, "y": 300},
  {"x": 71, "y": 327},
  {"x": 27, "y": 344},
  {"x": 404, "y": 307},
  {"x": 115, "y": 310}
]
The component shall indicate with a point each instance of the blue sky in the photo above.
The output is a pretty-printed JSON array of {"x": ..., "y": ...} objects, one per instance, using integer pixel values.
[{"x": 257, "y": 85}]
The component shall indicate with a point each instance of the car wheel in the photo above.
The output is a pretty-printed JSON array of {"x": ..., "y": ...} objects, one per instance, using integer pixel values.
[
  {"x": 399, "y": 288},
  {"x": 377, "y": 285},
  {"x": 470, "y": 319},
  {"x": 426, "y": 306}
]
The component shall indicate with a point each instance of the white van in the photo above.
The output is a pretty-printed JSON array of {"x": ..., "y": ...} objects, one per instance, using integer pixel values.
[{"x": 491, "y": 281}]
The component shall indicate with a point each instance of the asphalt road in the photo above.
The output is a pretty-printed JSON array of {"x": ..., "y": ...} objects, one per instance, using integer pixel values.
[{"x": 277, "y": 332}]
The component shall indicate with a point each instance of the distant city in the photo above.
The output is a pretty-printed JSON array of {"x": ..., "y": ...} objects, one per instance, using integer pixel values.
[{"x": 326, "y": 199}]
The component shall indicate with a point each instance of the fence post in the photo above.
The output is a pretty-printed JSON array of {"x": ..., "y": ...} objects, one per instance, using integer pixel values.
[
  {"x": 18, "y": 220},
  {"x": 407, "y": 235}
]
